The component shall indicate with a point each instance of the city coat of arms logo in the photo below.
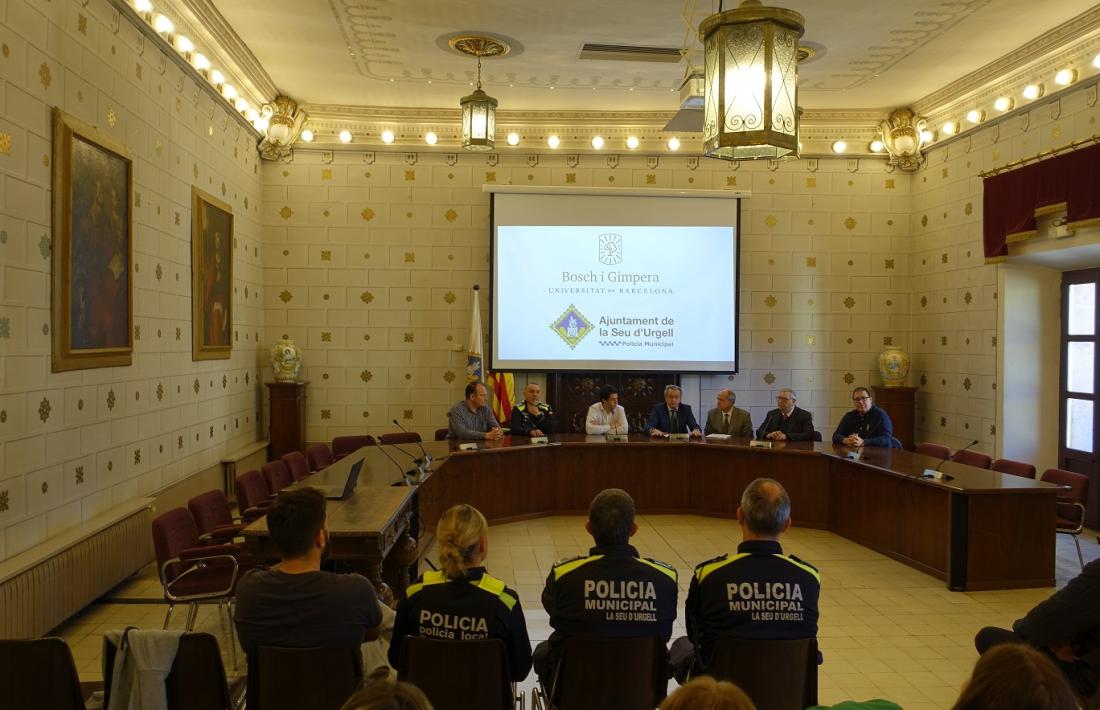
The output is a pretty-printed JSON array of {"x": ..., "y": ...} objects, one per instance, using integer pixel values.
[
  {"x": 611, "y": 249},
  {"x": 571, "y": 326}
]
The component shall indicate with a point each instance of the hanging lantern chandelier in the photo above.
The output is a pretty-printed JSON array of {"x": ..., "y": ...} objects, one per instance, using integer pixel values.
[
  {"x": 750, "y": 106},
  {"x": 479, "y": 110}
]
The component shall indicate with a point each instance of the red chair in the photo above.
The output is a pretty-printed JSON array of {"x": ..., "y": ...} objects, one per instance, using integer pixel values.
[
  {"x": 1016, "y": 468},
  {"x": 401, "y": 437},
  {"x": 253, "y": 495},
  {"x": 193, "y": 574},
  {"x": 938, "y": 450},
  {"x": 319, "y": 457},
  {"x": 297, "y": 465},
  {"x": 973, "y": 458},
  {"x": 214, "y": 518},
  {"x": 39, "y": 673},
  {"x": 1071, "y": 503},
  {"x": 344, "y": 445},
  {"x": 277, "y": 475},
  {"x": 441, "y": 434}
]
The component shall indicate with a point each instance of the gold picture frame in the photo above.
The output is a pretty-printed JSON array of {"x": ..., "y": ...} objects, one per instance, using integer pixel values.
[
  {"x": 92, "y": 286},
  {"x": 211, "y": 277}
]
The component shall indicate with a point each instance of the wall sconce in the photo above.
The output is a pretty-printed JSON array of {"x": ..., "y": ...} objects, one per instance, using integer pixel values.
[
  {"x": 902, "y": 134},
  {"x": 284, "y": 125}
]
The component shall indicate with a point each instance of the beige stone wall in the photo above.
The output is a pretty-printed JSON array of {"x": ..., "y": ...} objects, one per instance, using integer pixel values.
[
  {"x": 369, "y": 266},
  {"x": 954, "y": 292},
  {"x": 74, "y": 444}
]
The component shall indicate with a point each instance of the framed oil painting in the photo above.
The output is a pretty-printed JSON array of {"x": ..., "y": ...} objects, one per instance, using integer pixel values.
[
  {"x": 92, "y": 287},
  {"x": 211, "y": 277}
]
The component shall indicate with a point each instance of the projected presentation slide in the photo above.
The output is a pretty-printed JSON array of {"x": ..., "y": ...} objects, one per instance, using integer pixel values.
[{"x": 629, "y": 297}]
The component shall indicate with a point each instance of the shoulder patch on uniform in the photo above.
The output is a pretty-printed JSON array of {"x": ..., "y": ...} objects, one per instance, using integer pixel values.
[
  {"x": 660, "y": 567},
  {"x": 802, "y": 562},
  {"x": 802, "y": 565},
  {"x": 427, "y": 579},
  {"x": 706, "y": 568},
  {"x": 566, "y": 566},
  {"x": 712, "y": 560},
  {"x": 564, "y": 560},
  {"x": 497, "y": 588}
]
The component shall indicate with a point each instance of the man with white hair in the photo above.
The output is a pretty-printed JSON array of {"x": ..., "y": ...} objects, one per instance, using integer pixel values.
[{"x": 787, "y": 422}]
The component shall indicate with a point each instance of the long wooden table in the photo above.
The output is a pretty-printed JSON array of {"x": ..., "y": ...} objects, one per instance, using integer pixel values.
[{"x": 979, "y": 530}]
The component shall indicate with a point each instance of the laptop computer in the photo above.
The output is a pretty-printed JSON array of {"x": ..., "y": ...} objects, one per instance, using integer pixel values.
[{"x": 343, "y": 492}]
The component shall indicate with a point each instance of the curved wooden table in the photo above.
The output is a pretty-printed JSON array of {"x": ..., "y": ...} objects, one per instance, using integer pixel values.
[{"x": 980, "y": 530}]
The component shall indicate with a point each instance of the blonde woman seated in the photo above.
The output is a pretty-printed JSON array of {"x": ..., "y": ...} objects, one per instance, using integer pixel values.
[{"x": 461, "y": 601}]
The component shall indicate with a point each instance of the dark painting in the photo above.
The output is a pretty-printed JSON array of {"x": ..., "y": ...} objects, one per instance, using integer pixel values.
[{"x": 212, "y": 272}]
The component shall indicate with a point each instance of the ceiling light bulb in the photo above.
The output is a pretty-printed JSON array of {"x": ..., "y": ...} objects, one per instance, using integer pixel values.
[
  {"x": 877, "y": 146},
  {"x": 162, "y": 24},
  {"x": 553, "y": 141},
  {"x": 1003, "y": 103},
  {"x": 1096, "y": 61},
  {"x": 229, "y": 91},
  {"x": 261, "y": 124},
  {"x": 674, "y": 143},
  {"x": 240, "y": 104},
  {"x": 184, "y": 45},
  {"x": 143, "y": 5},
  {"x": 307, "y": 136},
  {"x": 1033, "y": 91},
  {"x": 839, "y": 146},
  {"x": 345, "y": 136},
  {"x": 1065, "y": 77},
  {"x": 597, "y": 142},
  {"x": 387, "y": 136},
  {"x": 431, "y": 138},
  {"x": 200, "y": 62},
  {"x": 217, "y": 77},
  {"x": 950, "y": 128},
  {"x": 927, "y": 136},
  {"x": 251, "y": 114},
  {"x": 513, "y": 139},
  {"x": 632, "y": 142},
  {"x": 975, "y": 115}
]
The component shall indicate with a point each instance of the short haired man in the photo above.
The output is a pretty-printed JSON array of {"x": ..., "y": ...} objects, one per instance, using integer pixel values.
[
  {"x": 728, "y": 419},
  {"x": 1065, "y": 627},
  {"x": 532, "y": 417},
  {"x": 611, "y": 593},
  {"x": 865, "y": 425},
  {"x": 672, "y": 417},
  {"x": 472, "y": 418},
  {"x": 759, "y": 593},
  {"x": 295, "y": 604},
  {"x": 606, "y": 416},
  {"x": 787, "y": 422}
]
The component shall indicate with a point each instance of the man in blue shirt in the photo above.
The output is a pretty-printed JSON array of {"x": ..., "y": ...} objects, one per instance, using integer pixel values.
[{"x": 866, "y": 425}]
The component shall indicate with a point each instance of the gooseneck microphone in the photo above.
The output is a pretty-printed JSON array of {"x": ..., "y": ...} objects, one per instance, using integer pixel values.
[
  {"x": 404, "y": 473},
  {"x": 943, "y": 461},
  {"x": 427, "y": 456},
  {"x": 935, "y": 472}
]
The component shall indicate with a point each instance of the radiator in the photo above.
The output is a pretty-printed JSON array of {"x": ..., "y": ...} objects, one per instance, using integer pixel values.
[{"x": 50, "y": 590}]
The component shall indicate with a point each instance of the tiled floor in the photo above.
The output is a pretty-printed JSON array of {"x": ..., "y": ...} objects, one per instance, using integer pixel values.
[{"x": 886, "y": 630}]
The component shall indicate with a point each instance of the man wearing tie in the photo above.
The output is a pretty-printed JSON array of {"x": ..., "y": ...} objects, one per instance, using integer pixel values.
[
  {"x": 728, "y": 419},
  {"x": 788, "y": 422},
  {"x": 672, "y": 417}
]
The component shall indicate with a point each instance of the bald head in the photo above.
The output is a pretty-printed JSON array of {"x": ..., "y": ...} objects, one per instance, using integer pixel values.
[
  {"x": 765, "y": 508},
  {"x": 725, "y": 400}
]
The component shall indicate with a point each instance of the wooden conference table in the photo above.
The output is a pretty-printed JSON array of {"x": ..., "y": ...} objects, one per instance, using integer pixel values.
[{"x": 979, "y": 530}]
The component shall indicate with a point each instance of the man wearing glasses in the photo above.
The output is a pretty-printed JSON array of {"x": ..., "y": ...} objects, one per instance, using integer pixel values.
[
  {"x": 788, "y": 422},
  {"x": 866, "y": 425}
]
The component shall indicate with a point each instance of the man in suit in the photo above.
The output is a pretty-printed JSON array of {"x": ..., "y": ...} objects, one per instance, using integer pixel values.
[
  {"x": 672, "y": 417},
  {"x": 728, "y": 419},
  {"x": 788, "y": 422}
]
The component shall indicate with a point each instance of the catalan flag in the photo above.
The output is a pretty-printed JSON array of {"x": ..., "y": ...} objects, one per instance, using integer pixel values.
[{"x": 503, "y": 385}]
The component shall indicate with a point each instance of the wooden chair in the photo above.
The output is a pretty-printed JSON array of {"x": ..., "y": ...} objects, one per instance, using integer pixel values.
[
  {"x": 621, "y": 673},
  {"x": 296, "y": 463},
  {"x": 197, "y": 680},
  {"x": 344, "y": 445},
  {"x": 1016, "y": 468},
  {"x": 973, "y": 458},
  {"x": 319, "y": 457},
  {"x": 39, "y": 673},
  {"x": 1071, "y": 504},
  {"x": 777, "y": 675},
  {"x": 938, "y": 450},
  {"x": 296, "y": 678},
  {"x": 460, "y": 674}
]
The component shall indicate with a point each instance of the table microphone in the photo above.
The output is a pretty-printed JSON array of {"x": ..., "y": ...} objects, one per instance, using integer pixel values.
[
  {"x": 427, "y": 456},
  {"x": 936, "y": 470},
  {"x": 404, "y": 473}
]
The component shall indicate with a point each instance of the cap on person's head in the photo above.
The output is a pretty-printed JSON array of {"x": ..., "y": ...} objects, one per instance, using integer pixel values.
[{"x": 611, "y": 516}]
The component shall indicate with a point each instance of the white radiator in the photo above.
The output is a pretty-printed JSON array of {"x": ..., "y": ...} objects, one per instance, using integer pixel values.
[{"x": 44, "y": 587}]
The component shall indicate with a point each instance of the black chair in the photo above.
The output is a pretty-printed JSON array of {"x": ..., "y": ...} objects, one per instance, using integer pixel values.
[
  {"x": 456, "y": 675},
  {"x": 197, "y": 680},
  {"x": 817, "y": 435},
  {"x": 296, "y": 678},
  {"x": 611, "y": 673},
  {"x": 39, "y": 673},
  {"x": 777, "y": 675}
]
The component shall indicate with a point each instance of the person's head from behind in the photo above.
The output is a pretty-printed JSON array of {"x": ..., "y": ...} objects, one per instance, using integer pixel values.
[
  {"x": 611, "y": 517},
  {"x": 1015, "y": 677},
  {"x": 706, "y": 693},
  {"x": 463, "y": 537},
  {"x": 296, "y": 522},
  {"x": 379, "y": 692},
  {"x": 765, "y": 511},
  {"x": 609, "y": 397}
]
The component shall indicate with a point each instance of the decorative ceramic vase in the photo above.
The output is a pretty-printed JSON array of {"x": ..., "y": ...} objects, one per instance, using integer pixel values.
[
  {"x": 893, "y": 365},
  {"x": 286, "y": 360}
]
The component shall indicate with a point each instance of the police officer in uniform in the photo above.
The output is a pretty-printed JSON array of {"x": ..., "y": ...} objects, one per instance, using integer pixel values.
[
  {"x": 611, "y": 593},
  {"x": 758, "y": 593},
  {"x": 462, "y": 601},
  {"x": 532, "y": 417}
]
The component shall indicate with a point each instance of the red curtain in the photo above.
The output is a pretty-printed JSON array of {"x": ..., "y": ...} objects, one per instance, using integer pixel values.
[{"x": 1011, "y": 199}]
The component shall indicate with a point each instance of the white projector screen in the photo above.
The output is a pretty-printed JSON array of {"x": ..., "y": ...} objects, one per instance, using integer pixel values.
[{"x": 624, "y": 281}]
